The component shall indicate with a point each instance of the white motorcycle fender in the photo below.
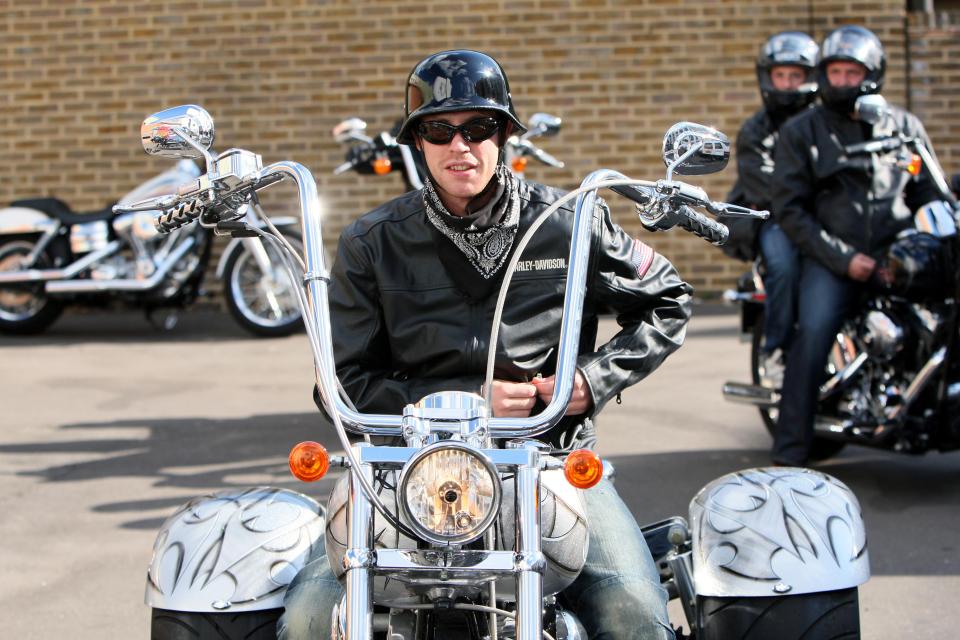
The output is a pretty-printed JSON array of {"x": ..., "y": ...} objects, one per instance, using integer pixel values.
[
  {"x": 232, "y": 551},
  {"x": 236, "y": 243},
  {"x": 777, "y": 531},
  {"x": 17, "y": 220}
]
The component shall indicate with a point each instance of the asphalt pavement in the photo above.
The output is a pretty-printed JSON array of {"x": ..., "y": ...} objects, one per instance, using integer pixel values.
[{"x": 107, "y": 424}]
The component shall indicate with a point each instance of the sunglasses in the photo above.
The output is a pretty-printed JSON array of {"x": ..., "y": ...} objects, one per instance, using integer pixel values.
[{"x": 476, "y": 130}]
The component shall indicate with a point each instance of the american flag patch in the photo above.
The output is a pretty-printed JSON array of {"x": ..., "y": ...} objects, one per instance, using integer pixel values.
[{"x": 641, "y": 257}]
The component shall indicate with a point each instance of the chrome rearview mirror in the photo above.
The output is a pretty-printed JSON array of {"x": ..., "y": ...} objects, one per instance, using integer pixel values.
[
  {"x": 543, "y": 124},
  {"x": 349, "y": 129},
  {"x": 870, "y": 108},
  {"x": 179, "y": 132},
  {"x": 692, "y": 149}
]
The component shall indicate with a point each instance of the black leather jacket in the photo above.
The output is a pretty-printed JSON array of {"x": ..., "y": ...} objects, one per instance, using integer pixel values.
[
  {"x": 756, "y": 148},
  {"x": 403, "y": 328},
  {"x": 756, "y": 142},
  {"x": 832, "y": 205}
]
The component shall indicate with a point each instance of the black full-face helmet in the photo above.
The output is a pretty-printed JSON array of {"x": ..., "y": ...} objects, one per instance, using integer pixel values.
[
  {"x": 456, "y": 80},
  {"x": 851, "y": 44},
  {"x": 788, "y": 48}
]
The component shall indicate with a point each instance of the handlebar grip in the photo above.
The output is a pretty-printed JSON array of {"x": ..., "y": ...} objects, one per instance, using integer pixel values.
[
  {"x": 875, "y": 145},
  {"x": 178, "y": 217},
  {"x": 700, "y": 225}
]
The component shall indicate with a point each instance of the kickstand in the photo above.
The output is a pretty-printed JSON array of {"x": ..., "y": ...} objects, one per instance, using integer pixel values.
[{"x": 163, "y": 319}]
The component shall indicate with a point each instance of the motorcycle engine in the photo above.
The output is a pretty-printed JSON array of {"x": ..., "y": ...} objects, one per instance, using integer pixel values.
[
  {"x": 115, "y": 267},
  {"x": 89, "y": 236},
  {"x": 882, "y": 336}
]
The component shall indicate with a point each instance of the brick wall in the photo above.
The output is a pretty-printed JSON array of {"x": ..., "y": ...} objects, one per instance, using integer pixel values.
[
  {"x": 77, "y": 77},
  {"x": 935, "y": 80}
]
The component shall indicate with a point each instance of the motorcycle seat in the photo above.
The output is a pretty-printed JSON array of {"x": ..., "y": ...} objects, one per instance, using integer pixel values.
[{"x": 60, "y": 210}]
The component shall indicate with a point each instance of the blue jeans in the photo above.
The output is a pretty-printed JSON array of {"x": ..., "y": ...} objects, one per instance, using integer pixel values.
[
  {"x": 825, "y": 300},
  {"x": 782, "y": 262},
  {"x": 617, "y": 595}
]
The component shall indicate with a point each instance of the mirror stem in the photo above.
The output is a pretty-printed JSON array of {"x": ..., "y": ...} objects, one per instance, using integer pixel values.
[
  {"x": 211, "y": 161},
  {"x": 677, "y": 162}
]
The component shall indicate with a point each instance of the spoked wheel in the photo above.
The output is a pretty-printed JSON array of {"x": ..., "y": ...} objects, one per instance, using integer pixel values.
[
  {"x": 186, "y": 625},
  {"x": 768, "y": 372},
  {"x": 830, "y": 615},
  {"x": 24, "y": 308},
  {"x": 263, "y": 303}
]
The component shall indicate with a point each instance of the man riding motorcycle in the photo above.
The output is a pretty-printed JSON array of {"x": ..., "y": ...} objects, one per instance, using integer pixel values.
[
  {"x": 840, "y": 211},
  {"x": 786, "y": 70},
  {"x": 412, "y": 298}
]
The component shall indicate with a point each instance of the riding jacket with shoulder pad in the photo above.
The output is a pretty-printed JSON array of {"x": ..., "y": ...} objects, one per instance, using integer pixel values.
[
  {"x": 833, "y": 205},
  {"x": 404, "y": 328},
  {"x": 755, "y": 147}
]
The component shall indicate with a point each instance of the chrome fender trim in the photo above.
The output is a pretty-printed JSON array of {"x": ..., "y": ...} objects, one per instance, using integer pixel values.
[
  {"x": 234, "y": 550},
  {"x": 236, "y": 243},
  {"x": 777, "y": 531},
  {"x": 24, "y": 220}
]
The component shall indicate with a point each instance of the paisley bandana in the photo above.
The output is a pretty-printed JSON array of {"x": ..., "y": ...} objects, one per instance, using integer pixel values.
[{"x": 485, "y": 248}]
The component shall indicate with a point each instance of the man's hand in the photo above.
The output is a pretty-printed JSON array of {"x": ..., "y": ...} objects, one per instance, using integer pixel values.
[
  {"x": 580, "y": 399},
  {"x": 861, "y": 267},
  {"x": 513, "y": 399}
]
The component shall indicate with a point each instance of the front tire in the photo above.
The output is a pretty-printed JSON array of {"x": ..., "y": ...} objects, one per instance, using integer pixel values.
[
  {"x": 25, "y": 308},
  {"x": 263, "y": 304},
  {"x": 829, "y": 615},
  {"x": 188, "y": 625},
  {"x": 822, "y": 448}
]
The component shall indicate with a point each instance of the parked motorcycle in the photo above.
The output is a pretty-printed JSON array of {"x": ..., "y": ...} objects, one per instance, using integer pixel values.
[
  {"x": 51, "y": 257},
  {"x": 893, "y": 375},
  {"x": 471, "y": 526},
  {"x": 381, "y": 154}
]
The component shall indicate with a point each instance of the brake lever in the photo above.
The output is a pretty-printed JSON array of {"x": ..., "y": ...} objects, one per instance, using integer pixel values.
[
  {"x": 161, "y": 203},
  {"x": 735, "y": 210}
]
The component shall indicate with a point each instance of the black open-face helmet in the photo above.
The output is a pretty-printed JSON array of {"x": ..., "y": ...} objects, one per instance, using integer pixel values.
[
  {"x": 456, "y": 80},
  {"x": 851, "y": 43},
  {"x": 788, "y": 48}
]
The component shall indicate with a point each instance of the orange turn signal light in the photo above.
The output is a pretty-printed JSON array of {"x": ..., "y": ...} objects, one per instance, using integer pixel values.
[
  {"x": 915, "y": 164},
  {"x": 382, "y": 165},
  {"x": 309, "y": 461},
  {"x": 519, "y": 164},
  {"x": 583, "y": 468}
]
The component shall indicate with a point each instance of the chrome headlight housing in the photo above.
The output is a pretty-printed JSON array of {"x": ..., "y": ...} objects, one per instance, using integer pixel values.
[{"x": 450, "y": 493}]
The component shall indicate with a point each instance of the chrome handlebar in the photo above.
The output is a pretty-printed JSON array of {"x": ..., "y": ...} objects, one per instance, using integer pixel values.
[
  {"x": 916, "y": 144},
  {"x": 662, "y": 205}
]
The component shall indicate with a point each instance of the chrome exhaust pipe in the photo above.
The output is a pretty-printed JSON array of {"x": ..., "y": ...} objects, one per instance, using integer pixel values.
[
  {"x": 842, "y": 378},
  {"x": 35, "y": 275},
  {"x": 129, "y": 284},
  {"x": 754, "y": 394},
  {"x": 764, "y": 397},
  {"x": 920, "y": 381}
]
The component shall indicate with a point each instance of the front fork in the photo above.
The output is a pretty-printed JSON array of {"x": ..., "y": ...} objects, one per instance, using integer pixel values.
[
  {"x": 530, "y": 560},
  {"x": 358, "y": 559},
  {"x": 256, "y": 249}
]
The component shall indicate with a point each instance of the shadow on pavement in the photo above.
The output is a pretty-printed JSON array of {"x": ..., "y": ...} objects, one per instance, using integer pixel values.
[
  {"x": 119, "y": 327},
  {"x": 196, "y": 455},
  {"x": 910, "y": 504},
  {"x": 201, "y": 325}
]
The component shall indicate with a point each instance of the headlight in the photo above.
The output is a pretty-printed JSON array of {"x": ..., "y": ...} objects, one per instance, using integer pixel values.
[{"x": 450, "y": 493}]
